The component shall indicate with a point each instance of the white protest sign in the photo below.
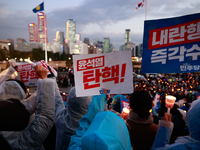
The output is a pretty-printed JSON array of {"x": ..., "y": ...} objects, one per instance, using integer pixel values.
[
  {"x": 95, "y": 72},
  {"x": 28, "y": 75}
]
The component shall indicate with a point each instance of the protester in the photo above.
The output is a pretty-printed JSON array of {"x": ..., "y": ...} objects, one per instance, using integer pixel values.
[
  {"x": 186, "y": 142},
  {"x": 67, "y": 119},
  {"x": 32, "y": 137},
  {"x": 100, "y": 130},
  {"x": 177, "y": 119},
  {"x": 116, "y": 103},
  {"x": 142, "y": 130}
]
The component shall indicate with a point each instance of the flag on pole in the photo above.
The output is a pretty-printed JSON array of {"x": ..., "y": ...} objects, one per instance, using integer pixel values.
[
  {"x": 140, "y": 5},
  {"x": 39, "y": 8}
]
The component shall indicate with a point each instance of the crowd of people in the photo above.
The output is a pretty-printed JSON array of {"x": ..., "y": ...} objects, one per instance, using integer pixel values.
[
  {"x": 66, "y": 79},
  {"x": 42, "y": 121}
]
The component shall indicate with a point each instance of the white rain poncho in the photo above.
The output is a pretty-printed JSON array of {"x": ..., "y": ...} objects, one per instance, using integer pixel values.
[
  {"x": 67, "y": 119},
  {"x": 11, "y": 89},
  {"x": 33, "y": 136},
  {"x": 9, "y": 73}
]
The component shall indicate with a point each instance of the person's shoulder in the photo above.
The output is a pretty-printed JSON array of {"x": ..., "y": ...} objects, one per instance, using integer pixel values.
[{"x": 154, "y": 126}]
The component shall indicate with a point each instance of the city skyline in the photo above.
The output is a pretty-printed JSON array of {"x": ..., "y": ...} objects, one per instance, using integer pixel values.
[{"x": 93, "y": 19}]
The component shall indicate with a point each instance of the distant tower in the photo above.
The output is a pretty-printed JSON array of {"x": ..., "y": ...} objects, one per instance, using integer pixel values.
[
  {"x": 60, "y": 37},
  {"x": 128, "y": 35},
  {"x": 42, "y": 24},
  {"x": 32, "y": 28},
  {"x": 106, "y": 45},
  {"x": 86, "y": 41},
  {"x": 71, "y": 31}
]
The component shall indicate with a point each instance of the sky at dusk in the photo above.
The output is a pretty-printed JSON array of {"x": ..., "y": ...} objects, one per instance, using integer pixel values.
[{"x": 94, "y": 18}]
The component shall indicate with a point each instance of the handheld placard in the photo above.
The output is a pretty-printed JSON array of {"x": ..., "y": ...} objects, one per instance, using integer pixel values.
[{"x": 30, "y": 62}]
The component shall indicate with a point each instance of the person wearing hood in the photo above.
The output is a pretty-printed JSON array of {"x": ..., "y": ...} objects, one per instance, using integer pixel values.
[
  {"x": 192, "y": 141},
  {"x": 67, "y": 119},
  {"x": 100, "y": 130},
  {"x": 31, "y": 137}
]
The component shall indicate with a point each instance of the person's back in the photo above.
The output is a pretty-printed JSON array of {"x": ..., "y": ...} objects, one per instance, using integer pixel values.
[
  {"x": 100, "y": 130},
  {"x": 142, "y": 130},
  {"x": 67, "y": 119},
  {"x": 142, "y": 136},
  {"x": 33, "y": 136}
]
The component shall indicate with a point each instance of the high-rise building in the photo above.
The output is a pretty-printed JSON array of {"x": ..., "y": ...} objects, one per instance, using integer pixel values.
[
  {"x": 71, "y": 31},
  {"x": 78, "y": 36},
  {"x": 42, "y": 25},
  {"x": 112, "y": 48},
  {"x": 60, "y": 37},
  {"x": 106, "y": 45},
  {"x": 78, "y": 48},
  {"x": 86, "y": 41},
  {"x": 21, "y": 40},
  {"x": 128, "y": 35},
  {"x": 32, "y": 28}
]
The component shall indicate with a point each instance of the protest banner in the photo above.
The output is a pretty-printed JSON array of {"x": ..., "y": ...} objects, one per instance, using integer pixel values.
[
  {"x": 172, "y": 45},
  {"x": 95, "y": 72},
  {"x": 28, "y": 75}
]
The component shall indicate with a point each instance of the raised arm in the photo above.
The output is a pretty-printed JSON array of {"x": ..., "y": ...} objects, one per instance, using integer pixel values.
[
  {"x": 163, "y": 135},
  {"x": 33, "y": 137}
]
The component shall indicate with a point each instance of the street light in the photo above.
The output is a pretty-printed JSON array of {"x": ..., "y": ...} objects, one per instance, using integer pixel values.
[
  {"x": 21, "y": 59},
  {"x": 69, "y": 58}
]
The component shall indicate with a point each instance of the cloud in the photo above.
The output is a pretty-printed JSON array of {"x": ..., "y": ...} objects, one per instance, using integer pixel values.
[{"x": 96, "y": 18}]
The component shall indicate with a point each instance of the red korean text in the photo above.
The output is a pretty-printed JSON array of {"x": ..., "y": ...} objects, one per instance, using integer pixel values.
[
  {"x": 90, "y": 63},
  {"x": 93, "y": 78}
]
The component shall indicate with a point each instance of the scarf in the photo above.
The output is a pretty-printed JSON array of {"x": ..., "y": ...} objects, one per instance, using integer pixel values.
[{"x": 133, "y": 117}]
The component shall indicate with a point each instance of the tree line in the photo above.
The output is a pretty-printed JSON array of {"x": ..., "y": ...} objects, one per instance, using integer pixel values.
[{"x": 35, "y": 55}]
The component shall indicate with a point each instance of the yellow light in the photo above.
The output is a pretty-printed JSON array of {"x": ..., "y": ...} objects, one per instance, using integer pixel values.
[
  {"x": 126, "y": 110},
  {"x": 150, "y": 110}
]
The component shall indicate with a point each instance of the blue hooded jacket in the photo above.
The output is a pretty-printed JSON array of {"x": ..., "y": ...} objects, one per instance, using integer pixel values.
[{"x": 100, "y": 130}]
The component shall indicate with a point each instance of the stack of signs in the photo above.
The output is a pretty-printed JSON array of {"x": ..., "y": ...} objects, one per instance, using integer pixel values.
[
  {"x": 172, "y": 45},
  {"x": 95, "y": 72},
  {"x": 28, "y": 75}
]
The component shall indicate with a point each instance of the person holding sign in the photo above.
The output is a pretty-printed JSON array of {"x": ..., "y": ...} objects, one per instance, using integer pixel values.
[
  {"x": 142, "y": 130},
  {"x": 185, "y": 142},
  {"x": 32, "y": 137}
]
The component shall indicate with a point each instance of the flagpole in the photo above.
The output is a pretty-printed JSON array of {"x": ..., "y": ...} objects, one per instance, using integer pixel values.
[
  {"x": 45, "y": 26},
  {"x": 146, "y": 10}
]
